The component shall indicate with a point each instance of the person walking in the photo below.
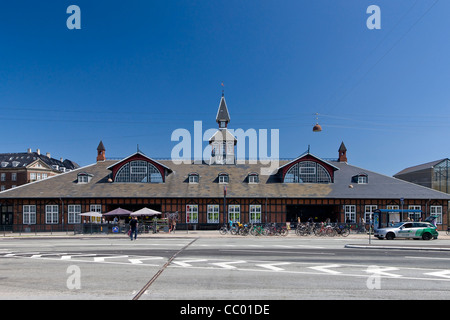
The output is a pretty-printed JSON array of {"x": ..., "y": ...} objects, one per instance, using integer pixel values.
[{"x": 133, "y": 228}]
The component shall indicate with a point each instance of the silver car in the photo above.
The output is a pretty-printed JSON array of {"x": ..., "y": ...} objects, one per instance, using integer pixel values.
[{"x": 408, "y": 230}]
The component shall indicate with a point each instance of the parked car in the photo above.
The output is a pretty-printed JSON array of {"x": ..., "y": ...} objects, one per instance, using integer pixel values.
[{"x": 408, "y": 230}]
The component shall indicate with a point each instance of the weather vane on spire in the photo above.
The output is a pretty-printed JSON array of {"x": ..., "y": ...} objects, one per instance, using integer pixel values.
[{"x": 223, "y": 88}]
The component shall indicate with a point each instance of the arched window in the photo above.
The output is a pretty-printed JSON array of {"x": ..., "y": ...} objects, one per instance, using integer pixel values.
[
  {"x": 139, "y": 171},
  {"x": 307, "y": 172}
]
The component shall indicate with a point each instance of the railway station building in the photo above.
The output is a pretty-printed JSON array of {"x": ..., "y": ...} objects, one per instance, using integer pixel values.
[{"x": 214, "y": 191}]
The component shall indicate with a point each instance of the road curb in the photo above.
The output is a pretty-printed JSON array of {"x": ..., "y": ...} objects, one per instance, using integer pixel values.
[{"x": 357, "y": 246}]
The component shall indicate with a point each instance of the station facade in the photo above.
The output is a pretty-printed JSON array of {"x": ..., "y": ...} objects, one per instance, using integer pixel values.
[{"x": 213, "y": 192}]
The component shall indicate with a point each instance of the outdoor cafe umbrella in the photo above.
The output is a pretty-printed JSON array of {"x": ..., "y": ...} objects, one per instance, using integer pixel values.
[
  {"x": 90, "y": 214},
  {"x": 145, "y": 212},
  {"x": 118, "y": 212}
]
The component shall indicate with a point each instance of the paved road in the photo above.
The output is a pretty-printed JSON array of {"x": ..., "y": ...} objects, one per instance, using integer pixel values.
[{"x": 236, "y": 268}]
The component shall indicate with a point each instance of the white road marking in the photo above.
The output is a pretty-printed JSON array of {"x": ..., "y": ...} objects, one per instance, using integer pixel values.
[
  {"x": 272, "y": 266},
  {"x": 326, "y": 268},
  {"x": 226, "y": 265},
  {"x": 185, "y": 263},
  {"x": 442, "y": 273},
  {"x": 382, "y": 271},
  {"x": 139, "y": 260},
  {"x": 102, "y": 259}
]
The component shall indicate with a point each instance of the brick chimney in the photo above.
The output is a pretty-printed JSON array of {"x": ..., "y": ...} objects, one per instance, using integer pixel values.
[
  {"x": 342, "y": 153},
  {"x": 101, "y": 152}
]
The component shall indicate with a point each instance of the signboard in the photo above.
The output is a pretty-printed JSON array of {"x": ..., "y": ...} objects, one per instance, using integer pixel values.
[{"x": 376, "y": 220}]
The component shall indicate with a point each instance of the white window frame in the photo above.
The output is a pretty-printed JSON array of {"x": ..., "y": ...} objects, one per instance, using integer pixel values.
[
  {"x": 350, "y": 213},
  {"x": 414, "y": 216},
  {"x": 436, "y": 211},
  {"x": 29, "y": 214},
  {"x": 82, "y": 178},
  {"x": 253, "y": 178},
  {"x": 368, "y": 212},
  {"x": 3, "y": 177},
  {"x": 51, "y": 214},
  {"x": 362, "y": 179},
  {"x": 392, "y": 207},
  {"x": 73, "y": 211},
  {"x": 213, "y": 213},
  {"x": 192, "y": 213},
  {"x": 255, "y": 212},
  {"x": 234, "y": 212},
  {"x": 13, "y": 176},
  {"x": 193, "y": 178},
  {"x": 96, "y": 208},
  {"x": 224, "y": 178}
]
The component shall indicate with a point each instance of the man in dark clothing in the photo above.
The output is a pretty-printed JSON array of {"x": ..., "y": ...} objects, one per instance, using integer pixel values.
[{"x": 133, "y": 228}]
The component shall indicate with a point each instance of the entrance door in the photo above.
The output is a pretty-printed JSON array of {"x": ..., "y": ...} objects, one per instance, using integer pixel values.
[{"x": 6, "y": 217}]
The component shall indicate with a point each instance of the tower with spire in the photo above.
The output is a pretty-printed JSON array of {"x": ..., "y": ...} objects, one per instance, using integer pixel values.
[
  {"x": 223, "y": 142},
  {"x": 342, "y": 153},
  {"x": 101, "y": 152}
]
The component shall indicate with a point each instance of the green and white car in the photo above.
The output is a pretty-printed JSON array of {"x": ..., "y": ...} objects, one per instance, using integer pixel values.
[{"x": 408, "y": 230}]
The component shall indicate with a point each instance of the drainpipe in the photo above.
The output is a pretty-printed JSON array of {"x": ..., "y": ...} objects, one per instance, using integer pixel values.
[
  {"x": 426, "y": 207},
  {"x": 266, "y": 209},
  {"x": 62, "y": 213}
]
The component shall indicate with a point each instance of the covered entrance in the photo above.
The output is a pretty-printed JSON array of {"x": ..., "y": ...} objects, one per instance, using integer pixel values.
[{"x": 318, "y": 213}]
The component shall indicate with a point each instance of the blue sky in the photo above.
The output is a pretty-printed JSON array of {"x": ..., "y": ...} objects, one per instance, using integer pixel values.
[{"x": 138, "y": 70}]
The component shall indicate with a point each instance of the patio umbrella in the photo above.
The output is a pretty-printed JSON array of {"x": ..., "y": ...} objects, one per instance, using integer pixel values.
[
  {"x": 145, "y": 212},
  {"x": 90, "y": 214},
  {"x": 118, "y": 212}
]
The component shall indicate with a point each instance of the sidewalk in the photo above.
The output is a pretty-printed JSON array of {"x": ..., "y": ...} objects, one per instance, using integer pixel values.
[
  {"x": 188, "y": 234},
  {"x": 441, "y": 244}
]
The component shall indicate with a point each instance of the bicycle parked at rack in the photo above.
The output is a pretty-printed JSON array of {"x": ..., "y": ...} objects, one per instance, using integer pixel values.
[
  {"x": 324, "y": 230},
  {"x": 257, "y": 230},
  {"x": 224, "y": 229},
  {"x": 305, "y": 229},
  {"x": 275, "y": 230},
  {"x": 342, "y": 231}
]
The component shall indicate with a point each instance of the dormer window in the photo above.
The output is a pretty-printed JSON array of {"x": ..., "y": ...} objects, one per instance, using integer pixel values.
[
  {"x": 224, "y": 178},
  {"x": 84, "y": 177},
  {"x": 253, "y": 178},
  {"x": 361, "y": 178},
  {"x": 193, "y": 177}
]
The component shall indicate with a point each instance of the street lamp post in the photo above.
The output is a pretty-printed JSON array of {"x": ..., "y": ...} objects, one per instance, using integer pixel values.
[{"x": 224, "y": 205}]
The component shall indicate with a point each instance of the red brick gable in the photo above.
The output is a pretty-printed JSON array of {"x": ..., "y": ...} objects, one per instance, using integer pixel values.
[
  {"x": 139, "y": 157},
  {"x": 308, "y": 157}
]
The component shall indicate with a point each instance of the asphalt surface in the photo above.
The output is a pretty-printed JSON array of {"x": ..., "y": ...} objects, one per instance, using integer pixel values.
[{"x": 201, "y": 265}]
